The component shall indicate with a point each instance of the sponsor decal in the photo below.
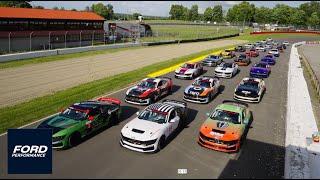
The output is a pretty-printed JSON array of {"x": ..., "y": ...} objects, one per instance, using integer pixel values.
[
  {"x": 222, "y": 125},
  {"x": 29, "y": 151}
]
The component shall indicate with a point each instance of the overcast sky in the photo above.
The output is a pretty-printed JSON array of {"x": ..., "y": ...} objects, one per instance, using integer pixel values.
[{"x": 155, "y": 8}]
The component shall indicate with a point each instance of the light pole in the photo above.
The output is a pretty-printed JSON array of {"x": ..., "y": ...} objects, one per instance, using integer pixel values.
[
  {"x": 31, "y": 41},
  {"x": 92, "y": 38},
  {"x": 80, "y": 38},
  {"x": 49, "y": 39},
  {"x": 9, "y": 42},
  {"x": 65, "y": 39}
]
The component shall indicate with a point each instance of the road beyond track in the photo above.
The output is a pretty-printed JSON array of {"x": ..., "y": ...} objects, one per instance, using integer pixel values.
[
  {"x": 24, "y": 83},
  {"x": 261, "y": 156}
]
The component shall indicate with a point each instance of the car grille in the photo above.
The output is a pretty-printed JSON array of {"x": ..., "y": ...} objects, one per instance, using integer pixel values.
[
  {"x": 137, "y": 142},
  {"x": 217, "y": 141}
]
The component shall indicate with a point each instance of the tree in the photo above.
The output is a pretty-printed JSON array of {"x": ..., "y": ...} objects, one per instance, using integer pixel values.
[
  {"x": 17, "y": 4},
  {"x": 314, "y": 20},
  {"x": 217, "y": 14},
  {"x": 136, "y": 15},
  {"x": 298, "y": 18},
  {"x": 176, "y": 12},
  {"x": 207, "y": 15},
  {"x": 102, "y": 10},
  {"x": 194, "y": 12},
  {"x": 38, "y": 7},
  {"x": 263, "y": 15},
  {"x": 281, "y": 14},
  {"x": 73, "y": 9},
  {"x": 243, "y": 12}
]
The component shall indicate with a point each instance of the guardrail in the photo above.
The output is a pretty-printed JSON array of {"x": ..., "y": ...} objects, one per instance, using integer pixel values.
[{"x": 315, "y": 81}]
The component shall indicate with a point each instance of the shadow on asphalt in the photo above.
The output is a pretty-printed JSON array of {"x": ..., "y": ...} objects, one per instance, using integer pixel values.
[
  {"x": 256, "y": 160},
  {"x": 127, "y": 112},
  {"x": 175, "y": 88}
]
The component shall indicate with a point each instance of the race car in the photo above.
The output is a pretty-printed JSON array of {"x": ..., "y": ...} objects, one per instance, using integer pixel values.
[
  {"x": 258, "y": 43},
  {"x": 80, "y": 120},
  {"x": 269, "y": 61},
  {"x": 240, "y": 49},
  {"x": 149, "y": 90},
  {"x": 263, "y": 41},
  {"x": 250, "y": 90},
  {"x": 270, "y": 56},
  {"x": 269, "y": 39},
  {"x": 261, "y": 48},
  {"x": 202, "y": 90},
  {"x": 268, "y": 46},
  {"x": 280, "y": 48},
  {"x": 274, "y": 52},
  {"x": 252, "y": 52},
  {"x": 212, "y": 60},
  {"x": 227, "y": 54},
  {"x": 226, "y": 127},
  {"x": 242, "y": 60},
  {"x": 260, "y": 70},
  {"x": 286, "y": 43},
  {"x": 189, "y": 70},
  {"x": 154, "y": 125},
  {"x": 226, "y": 70}
]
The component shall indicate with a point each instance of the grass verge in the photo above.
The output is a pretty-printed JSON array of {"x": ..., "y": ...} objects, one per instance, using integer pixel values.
[
  {"x": 21, "y": 114},
  {"x": 23, "y": 62}
]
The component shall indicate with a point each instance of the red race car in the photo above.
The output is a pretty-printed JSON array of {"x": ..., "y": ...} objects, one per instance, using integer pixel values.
[
  {"x": 252, "y": 53},
  {"x": 149, "y": 90}
]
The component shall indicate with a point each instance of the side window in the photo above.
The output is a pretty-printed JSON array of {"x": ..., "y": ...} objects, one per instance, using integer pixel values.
[
  {"x": 160, "y": 83},
  {"x": 243, "y": 115},
  {"x": 172, "y": 114}
]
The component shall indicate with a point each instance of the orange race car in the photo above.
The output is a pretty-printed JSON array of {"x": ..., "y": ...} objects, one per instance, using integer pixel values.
[
  {"x": 252, "y": 52},
  {"x": 242, "y": 60}
]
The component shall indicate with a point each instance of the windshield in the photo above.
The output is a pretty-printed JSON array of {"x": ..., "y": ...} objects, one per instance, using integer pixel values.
[
  {"x": 203, "y": 83},
  {"x": 147, "y": 84},
  {"x": 250, "y": 85},
  {"x": 74, "y": 114},
  {"x": 153, "y": 116},
  {"x": 266, "y": 60},
  {"x": 189, "y": 66},
  {"x": 227, "y": 65},
  {"x": 213, "y": 57},
  {"x": 242, "y": 56},
  {"x": 269, "y": 56},
  {"x": 226, "y": 116},
  {"x": 260, "y": 65}
]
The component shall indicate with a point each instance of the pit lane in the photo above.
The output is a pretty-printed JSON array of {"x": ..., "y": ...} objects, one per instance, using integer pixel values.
[{"x": 261, "y": 156}]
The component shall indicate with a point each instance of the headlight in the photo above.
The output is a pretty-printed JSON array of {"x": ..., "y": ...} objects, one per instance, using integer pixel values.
[{"x": 230, "y": 143}]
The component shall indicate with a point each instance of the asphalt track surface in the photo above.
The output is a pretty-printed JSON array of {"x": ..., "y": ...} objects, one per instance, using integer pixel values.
[
  {"x": 261, "y": 156},
  {"x": 24, "y": 83}
]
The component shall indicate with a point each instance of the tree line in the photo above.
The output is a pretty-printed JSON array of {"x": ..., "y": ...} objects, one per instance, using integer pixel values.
[{"x": 307, "y": 14}]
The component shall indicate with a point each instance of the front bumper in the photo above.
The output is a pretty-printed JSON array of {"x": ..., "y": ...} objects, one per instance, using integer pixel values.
[
  {"x": 246, "y": 99},
  {"x": 258, "y": 75},
  {"x": 218, "y": 147},
  {"x": 223, "y": 74},
  {"x": 137, "y": 100},
  {"x": 138, "y": 147},
  {"x": 183, "y": 76},
  {"x": 196, "y": 99},
  {"x": 60, "y": 144}
]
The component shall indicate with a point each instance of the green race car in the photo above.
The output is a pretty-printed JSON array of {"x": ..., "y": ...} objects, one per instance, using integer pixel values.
[
  {"x": 226, "y": 126},
  {"x": 80, "y": 120}
]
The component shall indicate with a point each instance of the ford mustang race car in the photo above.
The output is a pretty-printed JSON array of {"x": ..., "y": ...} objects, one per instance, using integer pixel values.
[
  {"x": 80, "y": 120},
  {"x": 286, "y": 43},
  {"x": 270, "y": 61},
  {"x": 149, "y": 90},
  {"x": 260, "y": 70},
  {"x": 226, "y": 127},
  {"x": 280, "y": 47},
  {"x": 240, "y": 49},
  {"x": 243, "y": 60},
  {"x": 268, "y": 46},
  {"x": 189, "y": 70},
  {"x": 261, "y": 48},
  {"x": 249, "y": 46},
  {"x": 274, "y": 52},
  {"x": 227, "y": 54},
  {"x": 212, "y": 60},
  {"x": 252, "y": 52},
  {"x": 250, "y": 90},
  {"x": 202, "y": 90},
  {"x": 226, "y": 70},
  {"x": 154, "y": 125}
]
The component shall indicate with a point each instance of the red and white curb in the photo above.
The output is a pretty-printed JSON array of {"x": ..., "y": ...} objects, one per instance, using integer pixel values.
[{"x": 302, "y": 159}]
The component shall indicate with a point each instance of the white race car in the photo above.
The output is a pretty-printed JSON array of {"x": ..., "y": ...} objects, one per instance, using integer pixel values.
[
  {"x": 189, "y": 70},
  {"x": 249, "y": 46},
  {"x": 226, "y": 70},
  {"x": 286, "y": 43},
  {"x": 274, "y": 52},
  {"x": 149, "y": 131},
  {"x": 261, "y": 48},
  {"x": 263, "y": 41}
]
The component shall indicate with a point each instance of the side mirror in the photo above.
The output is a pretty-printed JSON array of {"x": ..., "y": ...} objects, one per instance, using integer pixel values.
[
  {"x": 137, "y": 113},
  {"x": 208, "y": 114}
]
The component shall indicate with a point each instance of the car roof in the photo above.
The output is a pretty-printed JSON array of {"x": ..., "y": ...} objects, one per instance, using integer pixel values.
[
  {"x": 152, "y": 79},
  {"x": 160, "y": 107}
]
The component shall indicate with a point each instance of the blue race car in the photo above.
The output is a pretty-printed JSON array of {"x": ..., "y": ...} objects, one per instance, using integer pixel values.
[
  {"x": 260, "y": 70},
  {"x": 269, "y": 61}
]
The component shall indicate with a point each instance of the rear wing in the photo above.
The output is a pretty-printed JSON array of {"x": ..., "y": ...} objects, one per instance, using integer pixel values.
[
  {"x": 175, "y": 103},
  {"x": 236, "y": 103},
  {"x": 110, "y": 100}
]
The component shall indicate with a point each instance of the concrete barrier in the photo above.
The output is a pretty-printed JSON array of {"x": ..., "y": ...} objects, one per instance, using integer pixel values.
[{"x": 36, "y": 54}]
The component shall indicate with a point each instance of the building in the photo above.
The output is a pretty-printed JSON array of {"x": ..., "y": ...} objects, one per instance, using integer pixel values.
[
  {"x": 123, "y": 29},
  {"x": 27, "y": 29}
]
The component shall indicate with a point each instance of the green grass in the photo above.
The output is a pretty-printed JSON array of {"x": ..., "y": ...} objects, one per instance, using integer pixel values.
[
  {"x": 179, "y": 32},
  {"x": 21, "y": 114},
  {"x": 23, "y": 62}
]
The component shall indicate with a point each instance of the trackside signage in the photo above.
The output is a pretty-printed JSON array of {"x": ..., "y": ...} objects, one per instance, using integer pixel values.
[{"x": 29, "y": 151}]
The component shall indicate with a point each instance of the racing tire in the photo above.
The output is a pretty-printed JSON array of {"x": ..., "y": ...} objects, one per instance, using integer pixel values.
[
  {"x": 161, "y": 143},
  {"x": 193, "y": 76},
  {"x": 74, "y": 139}
]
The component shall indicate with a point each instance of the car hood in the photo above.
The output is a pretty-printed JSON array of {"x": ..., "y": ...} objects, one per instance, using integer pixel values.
[
  {"x": 196, "y": 90},
  {"x": 182, "y": 70},
  {"x": 258, "y": 69},
  {"x": 223, "y": 69},
  {"x": 141, "y": 129},
  {"x": 58, "y": 123},
  {"x": 138, "y": 91},
  {"x": 222, "y": 130}
]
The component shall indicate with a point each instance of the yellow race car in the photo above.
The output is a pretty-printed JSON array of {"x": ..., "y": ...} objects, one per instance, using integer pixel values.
[{"x": 228, "y": 53}]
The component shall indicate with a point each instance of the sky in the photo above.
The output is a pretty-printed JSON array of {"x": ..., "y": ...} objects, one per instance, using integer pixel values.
[{"x": 156, "y": 8}]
